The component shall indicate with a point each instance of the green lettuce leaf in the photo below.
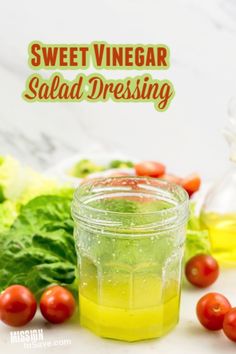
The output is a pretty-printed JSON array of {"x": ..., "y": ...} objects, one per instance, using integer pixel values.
[
  {"x": 8, "y": 213},
  {"x": 197, "y": 239},
  {"x": 39, "y": 248},
  {"x": 19, "y": 185},
  {"x": 12, "y": 178}
]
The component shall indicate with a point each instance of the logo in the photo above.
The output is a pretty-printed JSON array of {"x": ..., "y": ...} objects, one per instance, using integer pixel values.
[{"x": 34, "y": 338}]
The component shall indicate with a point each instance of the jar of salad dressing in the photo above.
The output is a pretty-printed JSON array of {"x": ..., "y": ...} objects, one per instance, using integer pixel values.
[{"x": 130, "y": 234}]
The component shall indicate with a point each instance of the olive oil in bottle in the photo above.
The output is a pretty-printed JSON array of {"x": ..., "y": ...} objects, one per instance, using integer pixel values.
[{"x": 218, "y": 213}]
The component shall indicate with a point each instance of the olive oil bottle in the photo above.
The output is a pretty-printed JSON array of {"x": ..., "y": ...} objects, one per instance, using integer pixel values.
[{"x": 218, "y": 213}]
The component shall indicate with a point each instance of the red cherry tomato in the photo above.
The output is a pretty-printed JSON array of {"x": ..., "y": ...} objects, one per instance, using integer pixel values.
[
  {"x": 150, "y": 168},
  {"x": 202, "y": 270},
  {"x": 211, "y": 310},
  {"x": 191, "y": 184},
  {"x": 119, "y": 174},
  {"x": 172, "y": 179},
  {"x": 17, "y": 306},
  {"x": 229, "y": 324},
  {"x": 57, "y": 304}
]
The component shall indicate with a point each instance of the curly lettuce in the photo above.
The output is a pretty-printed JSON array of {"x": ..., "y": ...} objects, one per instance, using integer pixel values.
[{"x": 19, "y": 185}]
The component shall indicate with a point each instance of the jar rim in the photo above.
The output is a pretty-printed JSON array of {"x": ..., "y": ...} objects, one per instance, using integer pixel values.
[{"x": 176, "y": 213}]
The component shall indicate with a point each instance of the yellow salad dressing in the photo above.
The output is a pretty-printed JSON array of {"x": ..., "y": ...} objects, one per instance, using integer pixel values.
[{"x": 114, "y": 312}]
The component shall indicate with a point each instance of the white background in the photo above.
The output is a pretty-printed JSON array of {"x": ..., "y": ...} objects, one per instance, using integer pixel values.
[{"x": 201, "y": 35}]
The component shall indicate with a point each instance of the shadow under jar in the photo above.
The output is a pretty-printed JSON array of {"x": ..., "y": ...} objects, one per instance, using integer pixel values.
[{"x": 129, "y": 234}]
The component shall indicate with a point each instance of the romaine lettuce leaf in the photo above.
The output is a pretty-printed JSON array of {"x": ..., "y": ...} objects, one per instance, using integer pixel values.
[
  {"x": 12, "y": 178},
  {"x": 19, "y": 185},
  {"x": 8, "y": 213},
  {"x": 197, "y": 239},
  {"x": 39, "y": 248}
]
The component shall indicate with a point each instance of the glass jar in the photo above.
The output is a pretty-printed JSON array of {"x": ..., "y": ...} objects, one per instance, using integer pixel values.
[
  {"x": 129, "y": 234},
  {"x": 218, "y": 212}
]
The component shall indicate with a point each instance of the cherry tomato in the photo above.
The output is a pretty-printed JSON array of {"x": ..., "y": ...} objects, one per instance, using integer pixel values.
[
  {"x": 150, "y": 168},
  {"x": 119, "y": 174},
  {"x": 17, "y": 306},
  {"x": 121, "y": 181},
  {"x": 229, "y": 324},
  {"x": 57, "y": 304},
  {"x": 202, "y": 270},
  {"x": 211, "y": 309},
  {"x": 191, "y": 184},
  {"x": 172, "y": 179}
]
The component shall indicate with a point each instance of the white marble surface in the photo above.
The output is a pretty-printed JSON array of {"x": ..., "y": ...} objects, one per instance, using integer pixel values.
[{"x": 202, "y": 37}]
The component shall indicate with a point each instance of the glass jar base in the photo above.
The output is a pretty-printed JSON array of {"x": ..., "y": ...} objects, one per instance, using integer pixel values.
[{"x": 129, "y": 325}]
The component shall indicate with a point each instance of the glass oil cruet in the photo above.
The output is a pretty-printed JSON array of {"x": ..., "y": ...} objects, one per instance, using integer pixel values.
[{"x": 218, "y": 213}]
